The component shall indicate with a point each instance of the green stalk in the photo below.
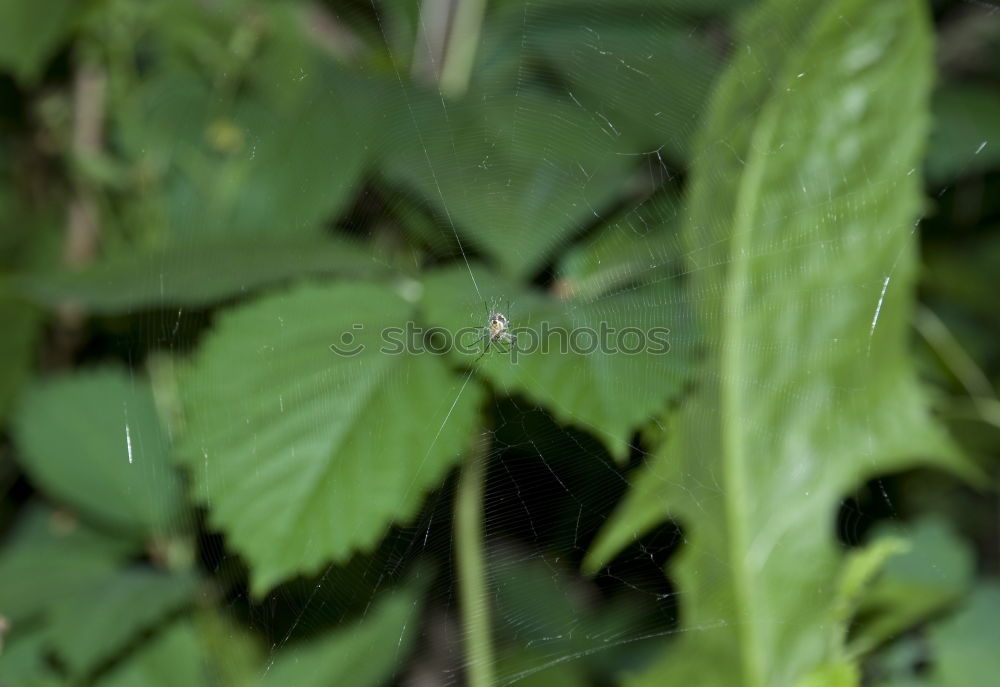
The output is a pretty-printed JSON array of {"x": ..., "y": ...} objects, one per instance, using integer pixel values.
[
  {"x": 471, "y": 563},
  {"x": 460, "y": 52}
]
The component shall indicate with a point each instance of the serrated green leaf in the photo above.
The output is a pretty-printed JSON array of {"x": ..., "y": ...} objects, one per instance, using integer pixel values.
[
  {"x": 172, "y": 658},
  {"x": 366, "y": 653},
  {"x": 515, "y": 176},
  {"x": 102, "y": 617},
  {"x": 604, "y": 392},
  {"x": 198, "y": 275},
  {"x": 303, "y": 456},
  {"x": 31, "y": 33},
  {"x": 93, "y": 440},
  {"x": 800, "y": 247},
  {"x": 936, "y": 571}
]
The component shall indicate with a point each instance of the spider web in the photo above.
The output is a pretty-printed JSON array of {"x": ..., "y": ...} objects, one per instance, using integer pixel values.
[
  {"x": 627, "y": 103},
  {"x": 552, "y": 484}
]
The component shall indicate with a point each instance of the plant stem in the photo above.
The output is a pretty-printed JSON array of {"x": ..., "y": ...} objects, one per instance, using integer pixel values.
[
  {"x": 471, "y": 564},
  {"x": 460, "y": 52}
]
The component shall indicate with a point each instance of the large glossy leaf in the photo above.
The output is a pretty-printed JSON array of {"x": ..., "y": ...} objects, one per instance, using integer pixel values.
[
  {"x": 601, "y": 390},
  {"x": 513, "y": 176},
  {"x": 304, "y": 456},
  {"x": 365, "y": 653},
  {"x": 197, "y": 275},
  {"x": 93, "y": 440},
  {"x": 800, "y": 244}
]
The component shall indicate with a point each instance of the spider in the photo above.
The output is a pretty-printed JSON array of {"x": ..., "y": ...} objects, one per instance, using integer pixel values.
[{"x": 496, "y": 331}]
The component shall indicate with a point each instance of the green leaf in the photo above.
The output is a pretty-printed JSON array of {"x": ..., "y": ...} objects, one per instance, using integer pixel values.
[
  {"x": 17, "y": 347},
  {"x": 285, "y": 153},
  {"x": 93, "y": 440},
  {"x": 50, "y": 556},
  {"x": 546, "y": 614},
  {"x": 964, "y": 645},
  {"x": 232, "y": 650},
  {"x": 800, "y": 248},
  {"x": 365, "y": 653},
  {"x": 633, "y": 7},
  {"x": 604, "y": 392},
  {"x": 638, "y": 248},
  {"x": 101, "y": 618},
  {"x": 173, "y": 658},
  {"x": 304, "y": 456},
  {"x": 645, "y": 75},
  {"x": 23, "y": 661},
  {"x": 934, "y": 573},
  {"x": 31, "y": 33},
  {"x": 198, "y": 275},
  {"x": 966, "y": 132},
  {"x": 642, "y": 509},
  {"x": 514, "y": 176}
]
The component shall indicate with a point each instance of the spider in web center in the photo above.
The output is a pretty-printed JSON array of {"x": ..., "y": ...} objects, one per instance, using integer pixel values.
[{"x": 496, "y": 332}]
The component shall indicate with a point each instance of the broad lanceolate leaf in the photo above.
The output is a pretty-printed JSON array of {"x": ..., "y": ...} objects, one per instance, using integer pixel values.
[
  {"x": 800, "y": 242},
  {"x": 197, "y": 275},
  {"x": 365, "y": 653},
  {"x": 560, "y": 362},
  {"x": 302, "y": 455},
  {"x": 514, "y": 176},
  {"x": 93, "y": 440}
]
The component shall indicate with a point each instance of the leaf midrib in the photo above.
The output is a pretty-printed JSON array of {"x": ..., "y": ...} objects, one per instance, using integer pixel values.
[{"x": 752, "y": 658}]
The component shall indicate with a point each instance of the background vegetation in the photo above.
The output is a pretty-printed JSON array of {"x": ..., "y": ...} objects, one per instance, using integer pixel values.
[{"x": 198, "y": 198}]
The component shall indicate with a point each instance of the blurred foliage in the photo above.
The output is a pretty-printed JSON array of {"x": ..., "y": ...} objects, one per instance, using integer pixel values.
[{"x": 199, "y": 199}]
